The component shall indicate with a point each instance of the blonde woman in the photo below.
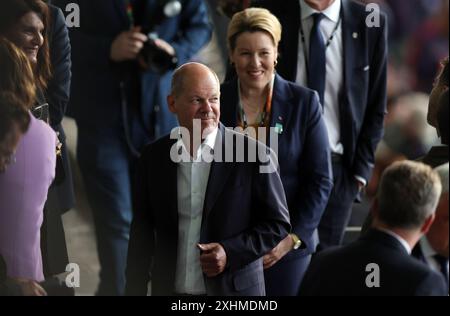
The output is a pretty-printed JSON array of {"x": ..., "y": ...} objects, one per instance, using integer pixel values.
[{"x": 259, "y": 98}]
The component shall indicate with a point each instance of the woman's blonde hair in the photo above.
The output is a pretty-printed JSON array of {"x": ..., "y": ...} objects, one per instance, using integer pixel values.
[
  {"x": 253, "y": 20},
  {"x": 16, "y": 74}
]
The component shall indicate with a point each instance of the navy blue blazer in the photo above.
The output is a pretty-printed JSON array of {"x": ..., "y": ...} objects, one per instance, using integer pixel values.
[
  {"x": 342, "y": 271},
  {"x": 61, "y": 196},
  {"x": 244, "y": 210},
  {"x": 96, "y": 82},
  {"x": 303, "y": 152},
  {"x": 363, "y": 103}
]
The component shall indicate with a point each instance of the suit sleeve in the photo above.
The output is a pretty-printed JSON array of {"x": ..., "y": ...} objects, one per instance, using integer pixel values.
[
  {"x": 372, "y": 128},
  {"x": 316, "y": 179},
  {"x": 58, "y": 91},
  {"x": 195, "y": 31},
  {"x": 271, "y": 220},
  {"x": 141, "y": 244}
]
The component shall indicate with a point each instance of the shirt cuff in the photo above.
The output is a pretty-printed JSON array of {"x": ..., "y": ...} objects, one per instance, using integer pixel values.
[{"x": 361, "y": 179}]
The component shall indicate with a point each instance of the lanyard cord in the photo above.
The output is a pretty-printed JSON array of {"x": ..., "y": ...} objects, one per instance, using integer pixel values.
[
  {"x": 130, "y": 12},
  {"x": 267, "y": 107}
]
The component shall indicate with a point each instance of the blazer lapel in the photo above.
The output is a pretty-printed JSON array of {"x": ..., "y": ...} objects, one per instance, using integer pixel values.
[
  {"x": 281, "y": 107},
  {"x": 352, "y": 41},
  {"x": 171, "y": 187},
  {"x": 218, "y": 176}
]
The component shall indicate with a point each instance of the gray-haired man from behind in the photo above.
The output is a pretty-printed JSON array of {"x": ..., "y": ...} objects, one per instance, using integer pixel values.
[{"x": 379, "y": 263}]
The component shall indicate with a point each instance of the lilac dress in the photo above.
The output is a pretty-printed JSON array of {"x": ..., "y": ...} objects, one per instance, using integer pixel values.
[{"x": 23, "y": 192}]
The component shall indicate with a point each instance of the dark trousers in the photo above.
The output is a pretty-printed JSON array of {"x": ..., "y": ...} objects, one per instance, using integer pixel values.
[
  {"x": 285, "y": 277},
  {"x": 105, "y": 163},
  {"x": 107, "y": 167},
  {"x": 338, "y": 211}
]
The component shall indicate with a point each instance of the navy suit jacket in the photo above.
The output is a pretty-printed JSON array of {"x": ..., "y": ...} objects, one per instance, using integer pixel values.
[
  {"x": 96, "y": 97},
  {"x": 363, "y": 101},
  {"x": 244, "y": 210},
  {"x": 343, "y": 271},
  {"x": 303, "y": 152}
]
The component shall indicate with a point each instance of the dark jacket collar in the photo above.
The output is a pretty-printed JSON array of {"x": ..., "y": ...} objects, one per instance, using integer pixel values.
[{"x": 380, "y": 237}]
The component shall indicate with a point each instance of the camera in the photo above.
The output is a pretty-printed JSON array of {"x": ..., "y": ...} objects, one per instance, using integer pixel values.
[{"x": 157, "y": 59}]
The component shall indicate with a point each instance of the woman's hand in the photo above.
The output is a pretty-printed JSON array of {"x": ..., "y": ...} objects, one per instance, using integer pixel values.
[{"x": 30, "y": 287}]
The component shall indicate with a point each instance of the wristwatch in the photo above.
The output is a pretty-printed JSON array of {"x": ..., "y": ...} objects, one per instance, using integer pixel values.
[{"x": 296, "y": 240}]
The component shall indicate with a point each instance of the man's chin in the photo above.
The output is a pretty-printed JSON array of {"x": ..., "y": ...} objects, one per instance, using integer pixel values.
[{"x": 208, "y": 128}]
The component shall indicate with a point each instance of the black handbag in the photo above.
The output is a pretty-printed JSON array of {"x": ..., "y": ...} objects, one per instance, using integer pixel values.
[{"x": 41, "y": 112}]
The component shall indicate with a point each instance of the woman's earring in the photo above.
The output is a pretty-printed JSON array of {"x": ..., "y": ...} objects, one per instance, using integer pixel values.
[{"x": 275, "y": 62}]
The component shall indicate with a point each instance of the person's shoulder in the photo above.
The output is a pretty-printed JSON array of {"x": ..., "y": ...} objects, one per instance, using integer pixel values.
[
  {"x": 300, "y": 94},
  {"x": 157, "y": 147},
  {"x": 300, "y": 91},
  {"x": 432, "y": 283},
  {"x": 56, "y": 14},
  {"x": 362, "y": 11},
  {"x": 39, "y": 128}
]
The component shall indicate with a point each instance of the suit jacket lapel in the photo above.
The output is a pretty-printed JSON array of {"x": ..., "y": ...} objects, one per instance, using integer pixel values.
[
  {"x": 171, "y": 187},
  {"x": 352, "y": 37},
  {"x": 218, "y": 176},
  {"x": 281, "y": 106},
  {"x": 349, "y": 31}
]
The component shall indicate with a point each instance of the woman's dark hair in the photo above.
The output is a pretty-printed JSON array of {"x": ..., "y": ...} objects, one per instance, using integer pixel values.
[
  {"x": 16, "y": 74},
  {"x": 11, "y": 11},
  {"x": 12, "y": 112}
]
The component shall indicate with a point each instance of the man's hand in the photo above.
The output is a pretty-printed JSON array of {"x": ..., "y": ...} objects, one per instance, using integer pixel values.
[
  {"x": 278, "y": 252},
  {"x": 213, "y": 259},
  {"x": 127, "y": 45},
  {"x": 30, "y": 287}
]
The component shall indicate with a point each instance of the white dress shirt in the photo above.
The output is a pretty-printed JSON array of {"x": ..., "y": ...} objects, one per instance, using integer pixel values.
[
  {"x": 192, "y": 177},
  {"x": 334, "y": 80}
]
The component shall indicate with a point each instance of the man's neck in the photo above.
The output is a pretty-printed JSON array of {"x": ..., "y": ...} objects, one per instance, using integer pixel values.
[
  {"x": 411, "y": 237},
  {"x": 319, "y": 5}
]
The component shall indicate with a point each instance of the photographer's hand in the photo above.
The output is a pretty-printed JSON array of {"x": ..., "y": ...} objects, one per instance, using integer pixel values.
[
  {"x": 162, "y": 44},
  {"x": 127, "y": 45},
  {"x": 165, "y": 46}
]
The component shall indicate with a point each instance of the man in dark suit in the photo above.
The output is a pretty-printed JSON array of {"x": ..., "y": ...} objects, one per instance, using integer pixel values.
[
  {"x": 379, "y": 263},
  {"x": 118, "y": 101},
  {"x": 202, "y": 223},
  {"x": 351, "y": 82},
  {"x": 433, "y": 247},
  {"x": 305, "y": 171}
]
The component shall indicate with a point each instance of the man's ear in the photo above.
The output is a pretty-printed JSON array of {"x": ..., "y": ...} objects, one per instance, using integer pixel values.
[
  {"x": 171, "y": 104},
  {"x": 427, "y": 224}
]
